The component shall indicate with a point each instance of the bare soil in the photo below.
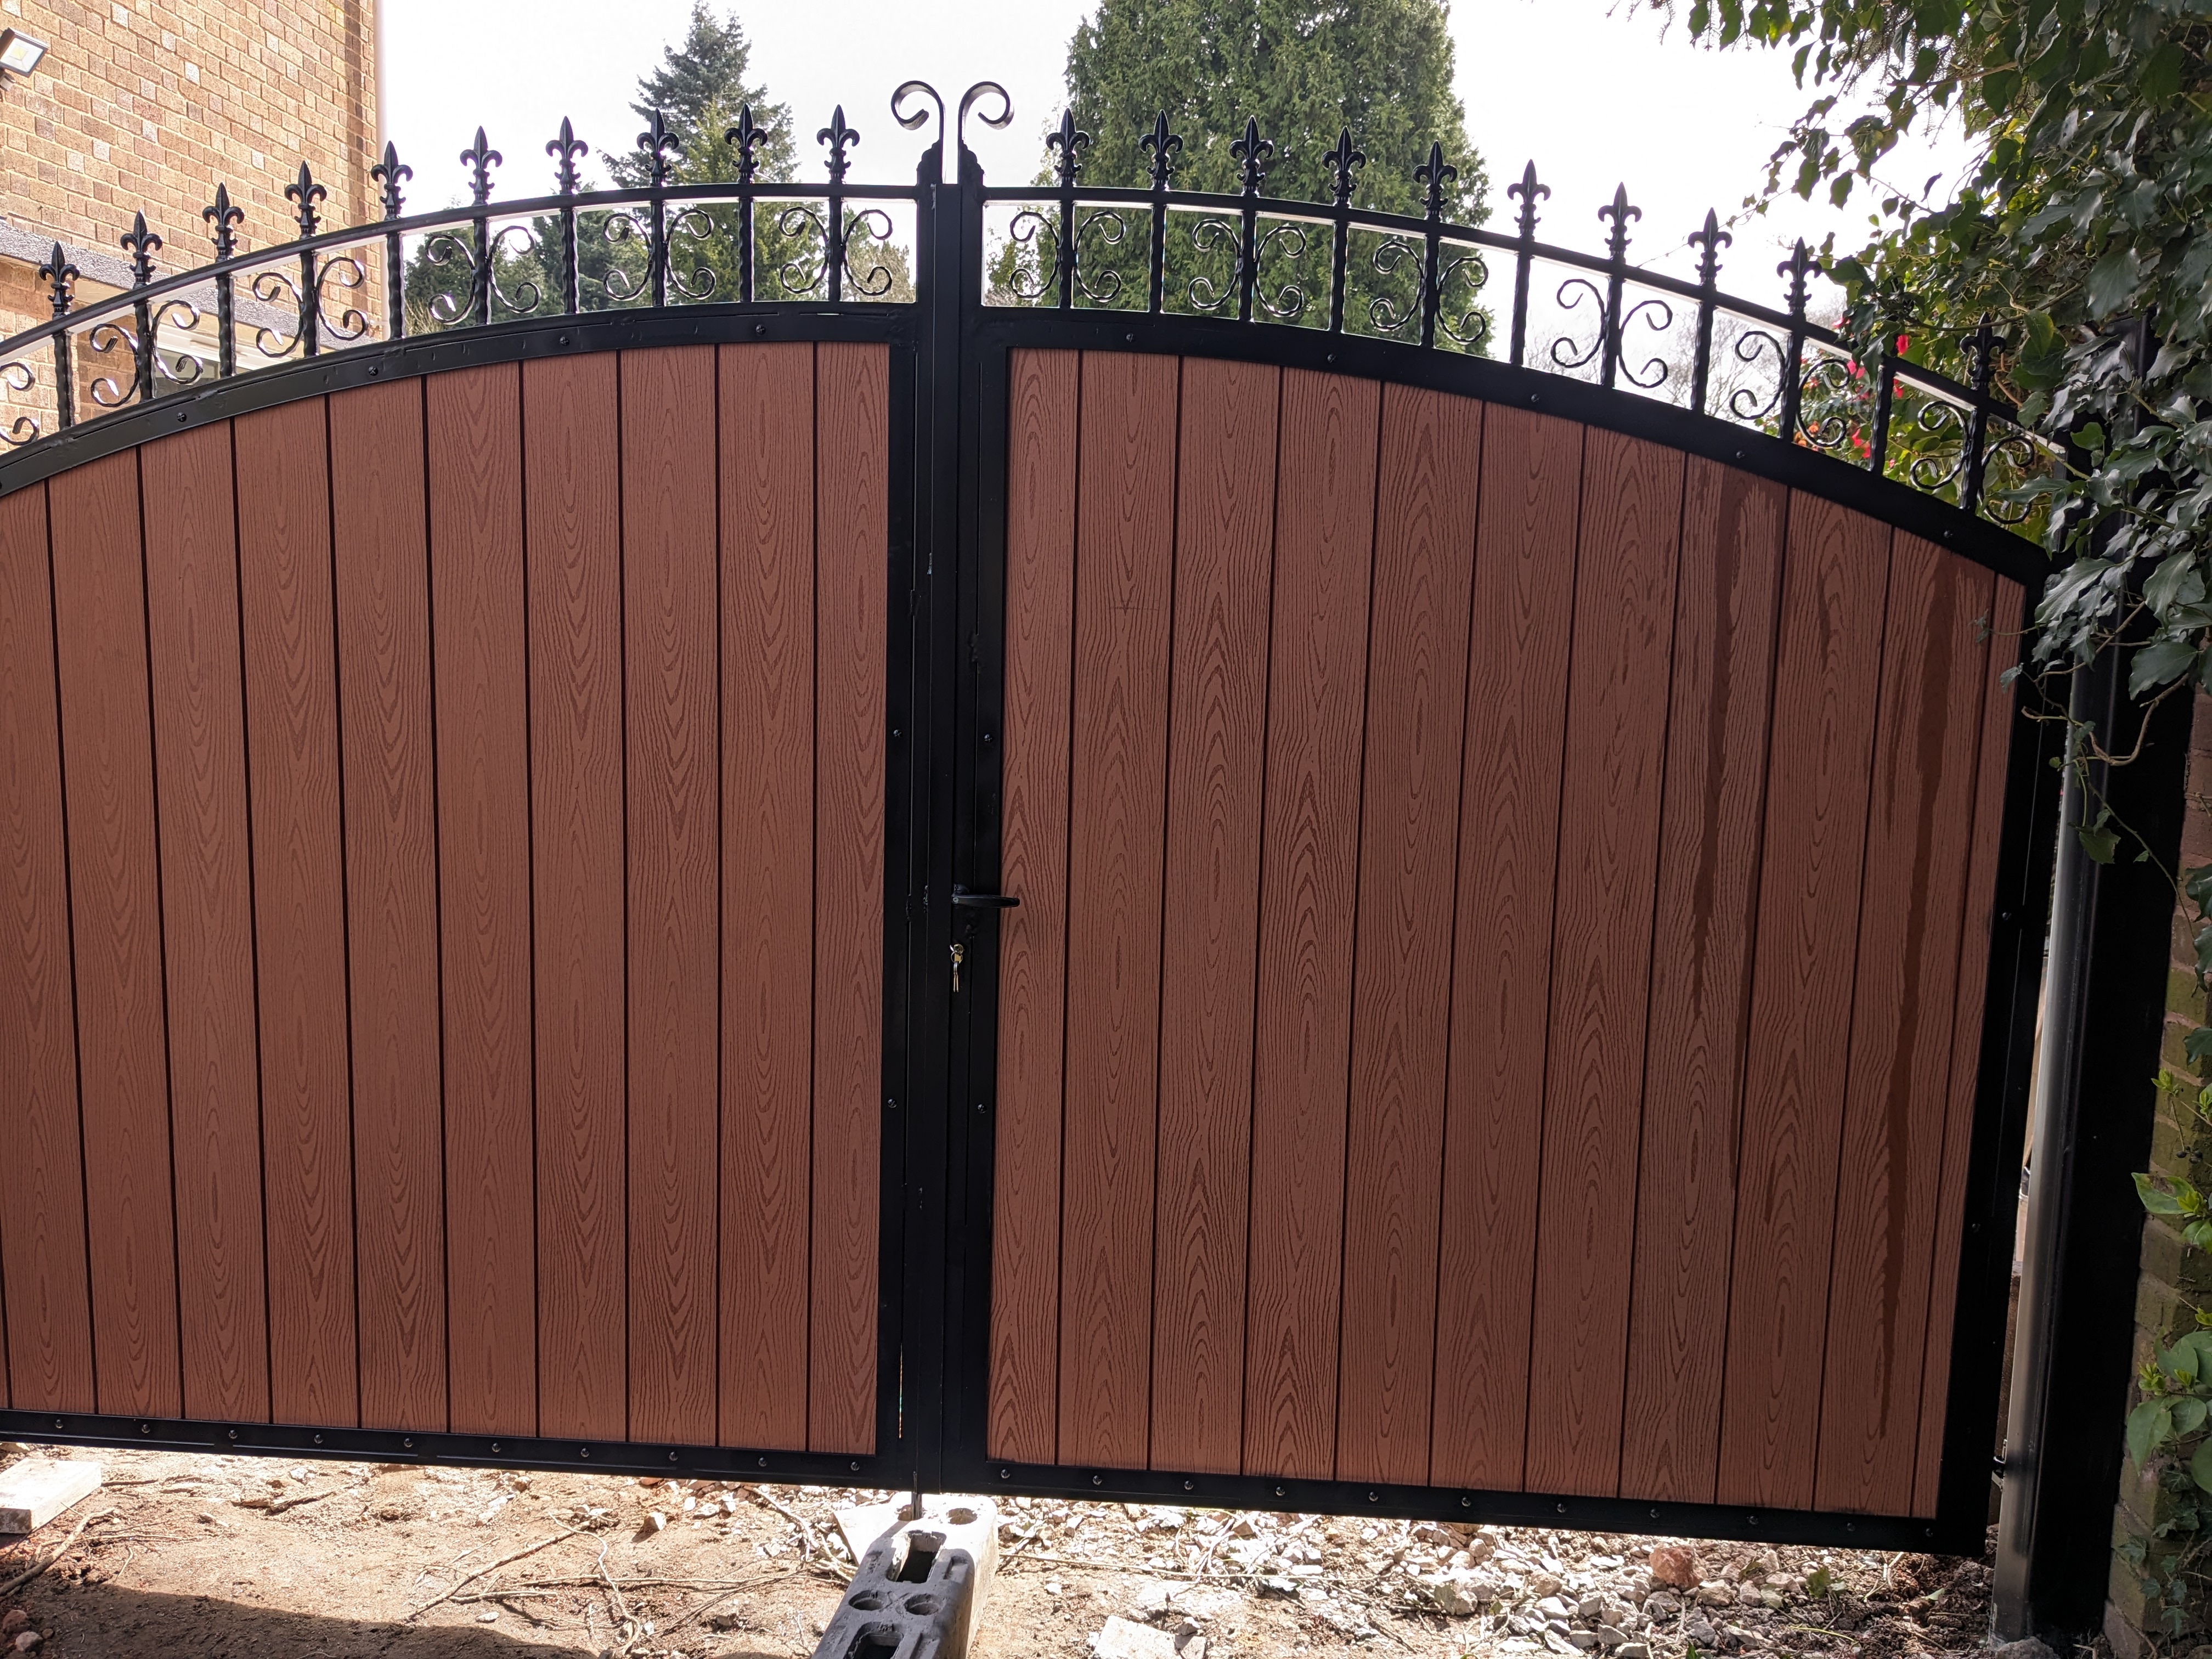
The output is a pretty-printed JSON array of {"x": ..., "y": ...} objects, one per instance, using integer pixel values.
[{"x": 241, "y": 1558}]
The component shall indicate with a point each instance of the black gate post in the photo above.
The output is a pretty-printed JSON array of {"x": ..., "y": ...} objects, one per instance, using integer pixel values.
[{"x": 2103, "y": 1018}]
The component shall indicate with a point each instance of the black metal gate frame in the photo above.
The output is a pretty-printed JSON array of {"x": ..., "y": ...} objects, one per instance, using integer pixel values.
[{"x": 945, "y": 573}]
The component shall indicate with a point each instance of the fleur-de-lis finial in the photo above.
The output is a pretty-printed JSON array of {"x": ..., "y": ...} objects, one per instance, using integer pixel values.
[
  {"x": 1254, "y": 152},
  {"x": 1618, "y": 211},
  {"x": 305, "y": 192},
  {"x": 1435, "y": 173},
  {"x": 1712, "y": 239},
  {"x": 481, "y": 158},
  {"x": 839, "y": 138},
  {"x": 1528, "y": 190},
  {"x": 1071, "y": 142},
  {"x": 1162, "y": 146},
  {"x": 746, "y": 138},
  {"x": 1341, "y": 162},
  {"x": 223, "y": 220},
  {"x": 141, "y": 244},
  {"x": 58, "y": 273},
  {"x": 661, "y": 145},
  {"x": 1797, "y": 267},
  {"x": 391, "y": 173},
  {"x": 566, "y": 149}
]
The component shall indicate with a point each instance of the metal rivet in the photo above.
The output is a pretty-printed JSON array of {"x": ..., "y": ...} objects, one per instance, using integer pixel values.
[
  {"x": 896, "y": 732},
  {"x": 583, "y": 1451},
  {"x": 1562, "y": 1508},
  {"x": 1190, "y": 1485},
  {"x": 856, "y": 1466},
  {"x": 1370, "y": 1497},
  {"x": 1851, "y": 1526},
  {"x": 1931, "y": 1532},
  {"x": 495, "y": 1448},
  {"x": 409, "y": 1443},
  {"x": 561, "y": 339},
  {"x": 374, "y": 370},
  {"x": 1098, "y": 1479},
  {"x": 987, "y": 737},
  {"x": 183, "y": 415},
  {"x": 760, "y": 328},
  {"x": 58, "y": 1422},
  {"x": 1467, "y": 1503},
  {"x": 1946, "y": 537},
  {"x": 1279, "y": 1492},
  {"x": 318, "y": 1440},
  {"x": 1535, "y": 397},
  {"x": 145, "y": 1428},
  {"x": 1739, "y": 454},
  {"x": 1655, "y": 1512},
  {"x": 763, "y": 1462},
  {"x": 1005, "y": 1474},
  {"x": 233, "y": 1434},
  {"x": 1129, "y": 338},
  {"x": 1750, "y": 1520},
  {"x": 890, "y": 1105},
  {"x": 671, "y": 1457},
  {"x": 979, "y": 1105},
  {"x": 1330, "y": 358}
]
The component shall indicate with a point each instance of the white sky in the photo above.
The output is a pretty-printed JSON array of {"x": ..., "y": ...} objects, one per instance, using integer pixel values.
[{"x": 1596, "y": 93}]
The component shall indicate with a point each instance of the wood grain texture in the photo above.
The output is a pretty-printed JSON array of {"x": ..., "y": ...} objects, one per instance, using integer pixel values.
[
  {"x": 669, "y": 610},
  {"x": 1316, "y": 715},
  {"x": 282, "y": 458},
  {"x": 573, "y": 554},
  {"x": 1425, "y": 523},
  {"x": 852, "y": 437},
  {"x": 386, "y": 745},
  {"x": 1040, "y": 622},
  {"x": 1919, "y": 846},
  {"x": 43, "y": 1276},
  {"x": 1124, "y": 598},
  {"x": 115, "y": 891},
  {"x": 479, "y": 658},
  {"x": 767, "y": 463},
  {"x": 1524, "y": 585},
  {"x": 1610, "y": 804},
  {"x": 1991, "y": 765},
  {"x": 1723, "y": 676},
  {"x": 1827, "y": 675},
  {"x": 1209, "y": 956},
  {"x": 207, "y": 901}
]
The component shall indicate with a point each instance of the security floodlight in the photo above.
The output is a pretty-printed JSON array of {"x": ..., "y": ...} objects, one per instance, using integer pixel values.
[{"x": 19, "y": 52}]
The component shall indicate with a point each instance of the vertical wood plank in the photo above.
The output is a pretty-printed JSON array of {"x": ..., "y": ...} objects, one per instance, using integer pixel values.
[
  {"x": 479, "y": 660},
  {"x": 1316, "y": 715},
  {"x": 289, "y": 623},
  {"x": 42, "y": 1240},
  {"x": 207, "y": 899},
  {"x": 1731, "y": 576},
  {"x": 1919, "y": 845},
  {"x": 669, "y": 609},
  {"x": 1124, "y": 593},
  {"x": 852, "y": 440},
  {"x": 1609, "y": 800},
  {"x": 1401, "y": 1003},
  {"x": 1040, "y": 620},
  {"x": 1828, "y": 673},
  {"x": 1517, "y": 693},
  {"x": 767, "y": 886},
  {"x": 99, "y": 624},
  {"x": 386, "y": 745},
  {"x": 1209, "y": 957},
  {"x": 1968, "y": 1001},
  {"x": 571, "y": 463}
]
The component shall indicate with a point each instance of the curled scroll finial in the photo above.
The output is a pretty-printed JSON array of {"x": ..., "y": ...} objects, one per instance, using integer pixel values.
[
  {"x": 974, "y": 96},
  {"x": 912, "y": 119}
]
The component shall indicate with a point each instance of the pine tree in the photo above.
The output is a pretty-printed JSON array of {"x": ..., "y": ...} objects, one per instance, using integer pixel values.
[{"x": 698, "y": 89}]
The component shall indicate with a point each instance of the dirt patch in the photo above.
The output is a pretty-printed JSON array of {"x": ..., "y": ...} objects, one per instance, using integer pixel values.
[{"x": 252, "y": 1558}]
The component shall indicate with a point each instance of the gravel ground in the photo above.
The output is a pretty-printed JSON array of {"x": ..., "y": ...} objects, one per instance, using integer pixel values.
[{"x": 250, "y": 1559}]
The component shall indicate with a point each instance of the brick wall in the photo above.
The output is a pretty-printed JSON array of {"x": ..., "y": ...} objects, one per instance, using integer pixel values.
[
  {"x": 2176, "y": 1280},
  {"x": 147, "y": 106}
]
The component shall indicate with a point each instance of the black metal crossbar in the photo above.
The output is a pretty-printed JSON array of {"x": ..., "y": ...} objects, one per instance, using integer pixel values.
[{"x": 1065, "y": 244}]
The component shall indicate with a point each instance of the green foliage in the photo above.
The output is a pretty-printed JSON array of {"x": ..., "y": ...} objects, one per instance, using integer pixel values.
[
  {"x": 698, "y": 89},
  {"x": 1304, "y": 71}
]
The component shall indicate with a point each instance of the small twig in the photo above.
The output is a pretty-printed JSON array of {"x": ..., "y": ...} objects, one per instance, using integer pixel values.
[
  {"x": 459, "y": 1583},
  {"x": 278, "y": 1505},
  {"x": 36, "y": 1568}
]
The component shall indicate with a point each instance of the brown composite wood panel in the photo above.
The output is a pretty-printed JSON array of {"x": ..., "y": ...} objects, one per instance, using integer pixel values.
[
  {"x": 670, "y": 641},
  {"x": 1708, "y": 885},
  {"x": 1919, "y": 844},
  {"x": 1518, "y": 659},
  {"x": 1316, "y": 717},
  {"x": 115, "y": 893},
  {"x": 480, "y": 663},
  {"x": 1040, "y": 620},
  {"x": 852, "y": 403},
  {"x": 573, "y": 551},
  {"x": 1827, "y": 678},
  {"x": 1124, "y": 601},
  {"x": 43, "y": 1273},
  {"x": 282, "y": 458},
  {"x": 767, "y": 462},
  {"x": 1609, "y": 805},
  {"x": 387, "y": 746},
  {"x": 1996, "y": 721},
  {"x": 199, "y": 751},
  {"x": 1224, "y": 531},
  {"x": 1425, "y": 518}
]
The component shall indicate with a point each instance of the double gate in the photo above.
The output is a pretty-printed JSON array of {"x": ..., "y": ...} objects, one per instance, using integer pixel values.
[{"x": 1034, "y": 889}]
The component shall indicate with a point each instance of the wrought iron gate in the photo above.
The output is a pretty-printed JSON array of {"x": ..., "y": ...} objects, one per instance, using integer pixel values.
[{"x": 1408, "y": 921}]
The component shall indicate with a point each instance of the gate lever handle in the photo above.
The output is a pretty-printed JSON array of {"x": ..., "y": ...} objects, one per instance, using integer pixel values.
[{"x": 984, "y": 900}]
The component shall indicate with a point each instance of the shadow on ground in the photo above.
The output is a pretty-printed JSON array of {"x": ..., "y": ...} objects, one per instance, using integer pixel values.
[{"x": 103, "y": 1621}]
